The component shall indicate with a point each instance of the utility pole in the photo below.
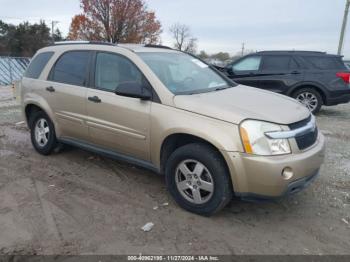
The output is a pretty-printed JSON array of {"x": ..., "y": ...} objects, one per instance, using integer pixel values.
[
  {"x": 343, "y": 28},
  {"x": 243, "y": 46},
  {"x": 53, "y": 23}
]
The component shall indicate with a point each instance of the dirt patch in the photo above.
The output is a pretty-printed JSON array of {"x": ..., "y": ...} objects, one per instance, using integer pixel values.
[{"x": 76, "y": 202}]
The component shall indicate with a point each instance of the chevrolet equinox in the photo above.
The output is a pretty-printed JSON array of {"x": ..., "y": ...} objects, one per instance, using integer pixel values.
[{"x": 170, "y": 112}]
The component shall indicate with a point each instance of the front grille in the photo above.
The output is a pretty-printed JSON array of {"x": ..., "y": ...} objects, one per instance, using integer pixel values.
[
  {"x": 308, "y": 139},
  {"x": 299, "y": 124}
]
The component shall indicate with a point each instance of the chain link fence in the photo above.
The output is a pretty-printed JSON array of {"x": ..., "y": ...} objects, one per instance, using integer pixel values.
[{"x": 12, "y": 69}]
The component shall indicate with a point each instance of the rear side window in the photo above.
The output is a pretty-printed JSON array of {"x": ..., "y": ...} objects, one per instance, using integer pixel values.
[
  {"x": 251, "y": 63},
  {"x": 324, "y": 62},
  {"x": 276, "y": 63},
  {"x": 37, "y": 65},
  {"x": 72, "y": 68}
]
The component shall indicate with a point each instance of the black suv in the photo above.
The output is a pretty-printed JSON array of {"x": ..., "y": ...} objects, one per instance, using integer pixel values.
[{"x": 313, "y": 78}]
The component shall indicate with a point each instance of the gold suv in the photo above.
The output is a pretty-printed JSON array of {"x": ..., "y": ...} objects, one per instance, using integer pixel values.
[{"x": 172, "y": 113}]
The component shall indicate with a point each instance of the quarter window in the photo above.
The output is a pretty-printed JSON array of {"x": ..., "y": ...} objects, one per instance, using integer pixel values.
[
  {"x": 251, "y": 63},
  {"x": 37, "y": 65},
  {"x": 112, "y": 70},
  {"x": 324, "y": 62},
  {"x": 72, "y": 68}
]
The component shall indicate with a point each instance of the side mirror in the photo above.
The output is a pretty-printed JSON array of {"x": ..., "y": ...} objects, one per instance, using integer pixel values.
[{"x": 133, "y": 89}]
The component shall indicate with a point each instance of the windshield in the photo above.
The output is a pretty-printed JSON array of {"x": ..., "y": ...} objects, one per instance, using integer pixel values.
[{"x": 184, "y": 74}]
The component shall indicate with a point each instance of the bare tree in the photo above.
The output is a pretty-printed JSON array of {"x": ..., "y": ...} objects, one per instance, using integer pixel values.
[{"x": 184, "y": 40}]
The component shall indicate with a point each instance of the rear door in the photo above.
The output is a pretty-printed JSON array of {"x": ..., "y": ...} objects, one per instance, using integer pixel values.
[
  {"x": 67, "y": 84},
  {"x": 246, "y": 70},
  {"x": 117, "y": 122},
  {"x": 279, "y": 72}
]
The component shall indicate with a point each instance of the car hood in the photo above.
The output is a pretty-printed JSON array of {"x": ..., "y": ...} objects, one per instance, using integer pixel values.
[{"x": 242, "y": 102}]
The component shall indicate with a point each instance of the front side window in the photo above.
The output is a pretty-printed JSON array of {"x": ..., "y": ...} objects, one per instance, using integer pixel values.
[
  {"x": 251, "y": 63},
  {"x": 37, "y": 65},
  {"x": 184, "y": 74},
  {"x": 113, "y": 70},
  {"x": 276, "y": 62},
  {"x": 72, "y": 68}
]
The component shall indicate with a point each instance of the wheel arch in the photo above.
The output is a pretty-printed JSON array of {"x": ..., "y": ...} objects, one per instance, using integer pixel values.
[
  {"x": 320, "y": 89},
  {"x": 175, "y": 140},
  {"x": 31, "y": 107}
]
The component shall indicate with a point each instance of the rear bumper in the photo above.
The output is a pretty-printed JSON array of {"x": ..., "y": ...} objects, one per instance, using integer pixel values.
[{"x": 339, "y": 97}]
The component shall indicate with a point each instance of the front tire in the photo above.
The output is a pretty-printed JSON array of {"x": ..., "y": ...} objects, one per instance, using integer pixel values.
[
  {"x": 198, "y": 179},
  {"x": 310, "y": 98},
  {"x": 42, "y": 133}
]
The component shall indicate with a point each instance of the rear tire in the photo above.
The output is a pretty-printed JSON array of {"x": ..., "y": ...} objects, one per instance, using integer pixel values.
[
  {"x": 198, "y": 179},
  {"x": 310, "y": 98},
  {"x": 42, "y": 133}
]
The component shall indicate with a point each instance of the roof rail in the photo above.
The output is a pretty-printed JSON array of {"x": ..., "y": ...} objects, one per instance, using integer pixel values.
[
  {"x": 291, "y": 51},
  {"x": 157, "y": 46},
  {"x": 83, "y": 42}
]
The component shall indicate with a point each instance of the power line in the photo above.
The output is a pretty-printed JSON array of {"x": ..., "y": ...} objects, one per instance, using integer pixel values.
[{"x": 53, "y": 23}]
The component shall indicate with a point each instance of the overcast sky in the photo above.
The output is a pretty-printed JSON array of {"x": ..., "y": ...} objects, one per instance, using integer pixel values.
[{"x": 220, "y": 25}]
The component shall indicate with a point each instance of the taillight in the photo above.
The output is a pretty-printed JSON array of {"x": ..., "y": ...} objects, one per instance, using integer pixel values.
[{"x": 344, "y": 76}]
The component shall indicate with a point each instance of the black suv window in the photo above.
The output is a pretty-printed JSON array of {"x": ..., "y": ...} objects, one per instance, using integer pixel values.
[
  {"x": 276, "y": 62},
  {"x": 251, "y": 63},
  {"x": 37, "y": 65},
  {"x": 324, "y": 62},
  {"x": 112, "y": 70},
  {"x": 72, "y": 68}
]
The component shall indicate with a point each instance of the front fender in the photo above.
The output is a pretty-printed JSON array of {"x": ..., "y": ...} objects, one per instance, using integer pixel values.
[{"x": 167, "y": 121}]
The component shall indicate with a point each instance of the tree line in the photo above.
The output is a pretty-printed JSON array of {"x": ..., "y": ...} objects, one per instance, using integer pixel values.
[
  {"x": 25, "y": 39},
  {"x": 115, "y": 21}
]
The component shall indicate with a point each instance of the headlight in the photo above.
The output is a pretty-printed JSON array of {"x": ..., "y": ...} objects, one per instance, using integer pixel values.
[{"x": 256, "y": 142}]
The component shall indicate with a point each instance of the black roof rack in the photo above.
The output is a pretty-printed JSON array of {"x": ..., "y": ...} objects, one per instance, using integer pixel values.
[
  {"x": 83, "y": 42},
  {"x": 103, "y": 43},
  {"x": 289, "y": 51},
  {"x": 158, "y": 46}
]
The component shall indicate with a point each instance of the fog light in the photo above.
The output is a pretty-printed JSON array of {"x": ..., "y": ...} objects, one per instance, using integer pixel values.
[{"x": 287, "y": 173}]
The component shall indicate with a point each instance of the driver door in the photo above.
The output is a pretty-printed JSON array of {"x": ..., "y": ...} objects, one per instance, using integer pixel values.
[{"x": 116, "y": 122}]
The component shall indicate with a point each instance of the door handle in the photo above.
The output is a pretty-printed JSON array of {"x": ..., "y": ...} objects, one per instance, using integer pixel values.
[
  {"x": 50, "y": 89},
  {"x": 295, "y": 72},
  {"x": 94, "y": 99}
]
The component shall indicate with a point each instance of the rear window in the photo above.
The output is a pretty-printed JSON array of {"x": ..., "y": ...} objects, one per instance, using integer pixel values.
[
  {"x": 37, "y": 65},
  {"x": 276, "y": 62},
  {"x": 71, "y": 68},
  {"x": 324, "y": 62}
]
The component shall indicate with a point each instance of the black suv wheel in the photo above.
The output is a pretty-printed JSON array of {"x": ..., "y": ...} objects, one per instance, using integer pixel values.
[
  {"x": 197, "y": 178},
  {"x": 310, "y": 98}
]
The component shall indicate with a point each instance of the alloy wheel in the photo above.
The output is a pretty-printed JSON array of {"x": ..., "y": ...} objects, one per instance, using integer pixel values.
[
  {"x": 308, "y": 99},
  {"x": 194, "y": 181},
  {"x": 42, "y": 132}
]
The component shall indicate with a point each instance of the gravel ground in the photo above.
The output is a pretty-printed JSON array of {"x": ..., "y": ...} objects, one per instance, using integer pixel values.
[{"x": 76, "y": 202}]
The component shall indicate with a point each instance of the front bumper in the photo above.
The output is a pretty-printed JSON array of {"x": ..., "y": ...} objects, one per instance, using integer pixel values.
[{"x": 261, "y": 176}]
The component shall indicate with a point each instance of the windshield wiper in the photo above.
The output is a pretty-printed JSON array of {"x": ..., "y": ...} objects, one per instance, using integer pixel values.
[{"x": 222, "y": 88}]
